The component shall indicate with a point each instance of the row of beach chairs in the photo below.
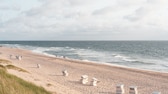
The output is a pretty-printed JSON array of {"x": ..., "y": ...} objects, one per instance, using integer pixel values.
[
  {"x": 119, "y": 88},
  {"x": 84, "y": 80},
  {"x": 132, "y": 90},
  {"x": 18, "y": 57}
]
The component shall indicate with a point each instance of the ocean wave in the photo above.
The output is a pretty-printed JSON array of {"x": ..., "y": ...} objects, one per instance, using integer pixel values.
[
  {"x": 124, "y": 58},
  {"x": 90, "y": 54}
]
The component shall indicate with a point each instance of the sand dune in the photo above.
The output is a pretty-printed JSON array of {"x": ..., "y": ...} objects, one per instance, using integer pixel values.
[{"x": 49, "y": 75}]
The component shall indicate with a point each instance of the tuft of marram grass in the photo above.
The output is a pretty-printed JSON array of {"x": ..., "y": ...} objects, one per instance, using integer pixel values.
[
  {"x": 2, "y": 67},
  {"x": 15, "y": 68},
  {"x": 5, "y": 64},
  {"x": 3, "y": 61}
]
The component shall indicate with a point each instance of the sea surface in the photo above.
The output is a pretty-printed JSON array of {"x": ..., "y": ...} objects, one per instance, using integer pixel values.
[{"x": 150, "y": 55}]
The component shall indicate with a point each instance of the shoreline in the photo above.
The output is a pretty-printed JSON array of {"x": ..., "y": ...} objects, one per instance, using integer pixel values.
[
  {"x": 96, "y": 62},
  {"x": 99, "y": 63},
  {"x": 109, "y": 75},
  {"x": 156, "y": 67}
]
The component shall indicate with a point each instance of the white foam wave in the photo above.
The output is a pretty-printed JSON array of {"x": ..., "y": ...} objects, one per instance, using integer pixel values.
[
  {"x": 49, "y": 55},
  {"x": 98, "y": 56},
  {"x": 124, "y": 58}
]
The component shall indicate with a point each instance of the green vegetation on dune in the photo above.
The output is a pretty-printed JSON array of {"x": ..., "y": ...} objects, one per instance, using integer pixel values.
[
  {"x": 15, "y": 68},
  {"x": 10, "y": 84}
]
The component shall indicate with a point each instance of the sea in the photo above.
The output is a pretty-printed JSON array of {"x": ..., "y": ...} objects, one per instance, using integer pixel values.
[{"x": 148, "y": 55}]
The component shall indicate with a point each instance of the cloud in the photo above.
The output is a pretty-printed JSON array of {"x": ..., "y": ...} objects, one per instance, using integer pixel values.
[
  {"x": 149, "y": 15},
  {"x": 78, "y": 19},
  {"x": 8, "y": 6},
  {"x": 14, "y": 7},
  {"x": 138, "y": 14}
]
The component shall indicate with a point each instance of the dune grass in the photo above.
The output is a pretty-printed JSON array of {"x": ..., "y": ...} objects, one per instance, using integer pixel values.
[
  {"x": 5, "y": 64},
  {"x": 10, "y": 84},
  {"x": 15, "y": 68},
  {"x": 3, "y": 61},
  {"x": 2, "y": 67},
  {"x": 12, "y": 67}
]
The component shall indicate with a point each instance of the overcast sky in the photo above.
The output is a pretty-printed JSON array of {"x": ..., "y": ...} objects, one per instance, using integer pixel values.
[{"x": 83, "y": 19}]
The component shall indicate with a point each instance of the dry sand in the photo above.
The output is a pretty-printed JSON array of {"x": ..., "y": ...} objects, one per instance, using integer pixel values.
[{"x": 50, "y": 76}]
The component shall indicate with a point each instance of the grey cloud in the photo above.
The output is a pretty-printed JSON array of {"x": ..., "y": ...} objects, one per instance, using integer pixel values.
[
  {"x": 14, "y": 7},
  {"x": 77, "y": 19},
  {"x": 32, "y": 12},
  {"x": 153, "y": 1},
  {"x": 102, "y": 11},
  {"x": 137, "y": 15},
  {"x": 148, "y": 10},
  {"x": 128, "y": 3}
]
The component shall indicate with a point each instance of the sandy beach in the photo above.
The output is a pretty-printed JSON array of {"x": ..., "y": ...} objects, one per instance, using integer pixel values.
[{"x": 49, "y": 75}]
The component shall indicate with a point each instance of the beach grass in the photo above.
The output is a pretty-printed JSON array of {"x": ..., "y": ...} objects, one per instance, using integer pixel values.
[
  {"x": 5, "y": 64},
  {"x": 3, "y": 61},
  {"x": 2, "y": 67},
  {"x": 15, "y": 68},
  {"x": 10, "y": 84}
]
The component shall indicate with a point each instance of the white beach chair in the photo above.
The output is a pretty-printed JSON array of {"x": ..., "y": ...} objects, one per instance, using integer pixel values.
[
  {"x": 84, "y": 79},
  {"x": 16, "y": 57},
  {"x": 94, "y": 81},
  {"x": 65, "y": 73},
  {"x": 133, "y": 90},
  {"x": 38, "y": 66},
  {"x": 120, "y": 89},
  {"x": 19, "y": 57}
]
